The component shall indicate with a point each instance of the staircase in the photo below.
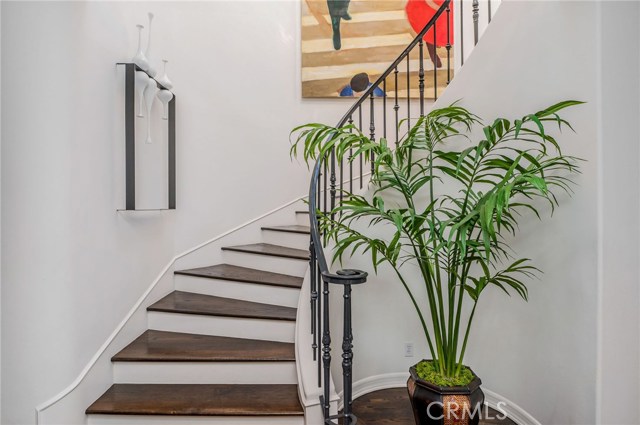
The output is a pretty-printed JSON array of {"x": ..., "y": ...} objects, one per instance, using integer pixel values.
[{"x": 219, "y": 349}]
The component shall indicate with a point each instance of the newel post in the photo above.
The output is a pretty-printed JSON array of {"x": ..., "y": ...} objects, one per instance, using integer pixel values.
[{"x": 346, "y": 278}]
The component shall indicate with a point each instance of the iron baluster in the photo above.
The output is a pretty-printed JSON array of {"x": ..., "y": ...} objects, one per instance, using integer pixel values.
[
  {"x": 333, "y": 183},
  {"x": 461, "y": 33},
  {"x": 318, "y": 281},
  {"x": 347, "y": 356},
  {"x": 319, "y": 204},
  {"x": 384, "y": 108},
  {"x": 324, "y": 192},
  {"x": 372, "y": 132},
  {"x": 489, "y": 11},
  {"x": 421, "y": 76},
  {"x": 326, "y": 348},
  {"x": 448, "y": 45},
  {"x": 314, "y": 295},
  {"x": 360, "y": 128},
  {"x": 396, "y": 106},
  {"x": 319, "y": 322},
  {"x": 435, "y": 69},
  {"x": 320, "y": 178},
  {"x": 408, "y": 96},
  {"x": 341, "y": 182},
  {"x": 476, "y": 15},
  {"x": 351, "y": 157}
]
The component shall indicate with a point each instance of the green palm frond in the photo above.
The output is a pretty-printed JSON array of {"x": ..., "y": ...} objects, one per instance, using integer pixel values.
[{"x": 456, "y": 207}]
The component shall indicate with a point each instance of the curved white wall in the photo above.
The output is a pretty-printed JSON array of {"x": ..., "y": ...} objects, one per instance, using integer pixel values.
[
  {"x": 561, "y": 355},
  {"x": 619, "y": 149},
  {"x": 72, "y": 267}
]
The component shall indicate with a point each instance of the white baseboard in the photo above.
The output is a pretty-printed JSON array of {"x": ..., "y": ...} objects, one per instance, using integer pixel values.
[
  {"x": 513, "y": 411},
  {"x": 377, "y": 383},
  {"x": 399, "y": 380}
]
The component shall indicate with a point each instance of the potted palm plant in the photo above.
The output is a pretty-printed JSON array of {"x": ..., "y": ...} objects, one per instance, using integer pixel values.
[{"x": 458, "y": 199}]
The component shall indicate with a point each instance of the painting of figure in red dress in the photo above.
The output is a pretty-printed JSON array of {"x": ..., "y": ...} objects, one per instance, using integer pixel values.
[
  {"x": 345, "y": 40},
  {"x": 419, "y": 13}
]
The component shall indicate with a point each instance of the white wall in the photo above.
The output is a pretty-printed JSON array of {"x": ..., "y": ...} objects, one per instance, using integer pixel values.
[
  {"x": 71, "y": 266},
  {"x": 544, "y": 355},
  {"x": 619, "y": 361},
  {"x": 0, "y": 214}
]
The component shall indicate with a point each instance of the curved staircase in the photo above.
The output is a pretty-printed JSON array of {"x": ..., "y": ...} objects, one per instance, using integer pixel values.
[{"x": 219, "y": 349}]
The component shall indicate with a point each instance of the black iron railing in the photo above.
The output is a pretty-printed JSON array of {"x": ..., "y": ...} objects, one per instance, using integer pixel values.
[{"x": 329, "y": 179}]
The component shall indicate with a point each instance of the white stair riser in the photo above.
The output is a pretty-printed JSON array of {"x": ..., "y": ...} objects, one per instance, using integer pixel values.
[
  {"x": 290, "y": 239},
  {"x": 239, "y": 290},
  {"x": 194, "y": 420},
  {"x": 302, "y": 219},
  {"x": 269, "y": 263},
  {"x": 205, "y": 372},
  {"x": 263, "y": 329}
]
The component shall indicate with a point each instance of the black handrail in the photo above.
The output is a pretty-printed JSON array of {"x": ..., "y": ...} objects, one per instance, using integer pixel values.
[{"x": 324, "y": 170}]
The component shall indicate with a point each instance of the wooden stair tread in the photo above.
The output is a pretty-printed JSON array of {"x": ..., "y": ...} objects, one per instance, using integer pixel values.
[
  {"x": 244, "y": 274},
  {"x": 272, "y": 250},
  {"x": 199, "y": 400},
  {"x": 161, "y": 346},
  {"x": 295, "y": 228},
  {"x": 209, "y": 305}
]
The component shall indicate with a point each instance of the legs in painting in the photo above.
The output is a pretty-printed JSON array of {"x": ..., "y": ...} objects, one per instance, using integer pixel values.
[
  {"x": 318, "y": 9},
  {"x": 338, "y": 9},
  {"x": 433, "y": 55},
  {"x": 335, "y": 25},
  {"x": 419, "y": 13}
]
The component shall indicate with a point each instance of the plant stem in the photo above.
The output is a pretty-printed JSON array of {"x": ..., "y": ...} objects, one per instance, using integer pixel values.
[
  {"x": 426, "y": 275},
  {"x": 437, "y": 257},
  {"x": 463, "y": 278},
  {"x": 466, "y": 337}
]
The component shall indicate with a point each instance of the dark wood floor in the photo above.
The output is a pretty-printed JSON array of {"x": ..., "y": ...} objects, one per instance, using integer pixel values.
[{"x": 392, "y": 407}]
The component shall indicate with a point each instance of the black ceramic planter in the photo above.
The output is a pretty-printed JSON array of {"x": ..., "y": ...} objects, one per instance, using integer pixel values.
[{"x": 434, "y": 405}]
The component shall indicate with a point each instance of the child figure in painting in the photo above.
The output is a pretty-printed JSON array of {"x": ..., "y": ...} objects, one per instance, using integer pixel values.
[
  {"x": 419, "y": 13},
  {"x": 359, "y": 83}
]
